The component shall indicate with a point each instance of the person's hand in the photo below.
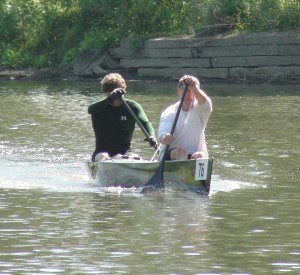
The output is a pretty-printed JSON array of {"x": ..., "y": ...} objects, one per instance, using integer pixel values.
[
  {"x": 168, "y": 139},
  {"x": 194, "y": 82},
  {"x": 194, "y": 87},
  {"x": 116, "y": 94},
  {"x": 197, "y": 155},
  {"x": 152, "y": 141}
]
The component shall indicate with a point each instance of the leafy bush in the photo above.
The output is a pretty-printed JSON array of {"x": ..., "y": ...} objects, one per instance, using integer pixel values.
[
  {"x": 39, "y": 61},
  {"x": 12, "y": 57},
  {"x": 260, "y": 15},
  {"x": 44, "y": 32},
  {"x": 68, "y": 56}
]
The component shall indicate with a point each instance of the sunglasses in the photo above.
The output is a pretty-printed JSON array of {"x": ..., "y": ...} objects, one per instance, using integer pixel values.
[{"x": 180, "y": 86}]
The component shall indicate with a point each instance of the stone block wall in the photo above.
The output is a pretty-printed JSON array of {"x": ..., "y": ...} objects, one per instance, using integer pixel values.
[{"x": 264, "y": 57}]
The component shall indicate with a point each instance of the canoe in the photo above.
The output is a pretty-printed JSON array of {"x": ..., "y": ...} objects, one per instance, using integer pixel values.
[{"x": 193, "y": 175}]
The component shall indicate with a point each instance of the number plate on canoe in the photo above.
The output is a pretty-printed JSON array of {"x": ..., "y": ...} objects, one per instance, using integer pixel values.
[{"x": 201, "y": 169}]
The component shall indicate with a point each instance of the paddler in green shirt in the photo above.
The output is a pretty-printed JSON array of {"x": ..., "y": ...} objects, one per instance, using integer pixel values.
[{"x": 113, "y": 124}]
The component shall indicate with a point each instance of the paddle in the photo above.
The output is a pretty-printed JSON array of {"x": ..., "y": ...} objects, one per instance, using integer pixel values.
[
  {"x": 157, "y": 150},
  {"x": 136, "y": 120},
  {"x": 157, "y": 180}
]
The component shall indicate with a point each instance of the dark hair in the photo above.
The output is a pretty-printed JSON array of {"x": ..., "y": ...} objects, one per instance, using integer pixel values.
[{"x": 112, "y": 81}]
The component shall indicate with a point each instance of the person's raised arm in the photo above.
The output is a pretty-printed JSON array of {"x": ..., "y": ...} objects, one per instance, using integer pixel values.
[{"x": 194, "y": 86}]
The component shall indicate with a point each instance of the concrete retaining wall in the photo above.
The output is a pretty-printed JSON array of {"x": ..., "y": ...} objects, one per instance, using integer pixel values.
[{"x": 265, "y": 57}]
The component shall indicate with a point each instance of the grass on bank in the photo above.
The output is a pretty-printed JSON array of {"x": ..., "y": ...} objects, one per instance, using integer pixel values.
[{"x": 46, "y": 33}]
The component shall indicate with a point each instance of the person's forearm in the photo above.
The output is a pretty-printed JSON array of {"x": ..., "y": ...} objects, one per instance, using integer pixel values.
[
  {"x": 200, "y": 95},
  {"x": 149, "y": 128}
]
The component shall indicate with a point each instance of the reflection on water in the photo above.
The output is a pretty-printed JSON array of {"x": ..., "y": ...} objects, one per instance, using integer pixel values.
[{"x": 54, "y": 221}]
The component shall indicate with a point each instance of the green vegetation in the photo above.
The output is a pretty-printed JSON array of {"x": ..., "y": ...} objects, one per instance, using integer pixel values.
[{"x": 45, "y": 33}]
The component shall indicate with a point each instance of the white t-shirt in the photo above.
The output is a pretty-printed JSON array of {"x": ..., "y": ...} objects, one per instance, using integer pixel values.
[{"x": 190, "y": 127}]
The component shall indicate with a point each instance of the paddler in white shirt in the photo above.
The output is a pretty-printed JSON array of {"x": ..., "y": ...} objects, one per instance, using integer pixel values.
[{"x": 188, "y": 140}]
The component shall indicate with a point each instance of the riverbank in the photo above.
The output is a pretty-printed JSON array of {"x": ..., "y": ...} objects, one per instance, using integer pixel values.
[{"x": 268, "y": 58}]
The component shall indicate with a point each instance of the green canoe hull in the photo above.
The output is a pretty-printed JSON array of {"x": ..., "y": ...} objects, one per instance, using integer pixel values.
[{"x": 136, "y": 173}]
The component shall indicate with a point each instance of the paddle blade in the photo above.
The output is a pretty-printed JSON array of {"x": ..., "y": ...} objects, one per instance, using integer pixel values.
[{"x": 156, "y": 182}]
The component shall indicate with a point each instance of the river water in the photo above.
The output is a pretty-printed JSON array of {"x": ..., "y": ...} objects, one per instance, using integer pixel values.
[{"x": 52, "y": 220}]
